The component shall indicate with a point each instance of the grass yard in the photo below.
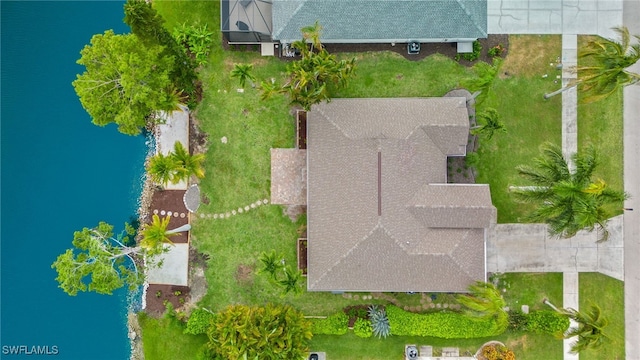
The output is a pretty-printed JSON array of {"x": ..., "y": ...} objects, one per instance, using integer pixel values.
[
  {"x": 530, "y": 289},
  {"x": 608, "y": 293},
  {"x": 530, "y": 120},
  {"x": 164, "y": 339},
  {"x": 600, "y": 124}
]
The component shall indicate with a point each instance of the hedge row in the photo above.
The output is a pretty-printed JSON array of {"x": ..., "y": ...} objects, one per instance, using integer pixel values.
[
  {"x": 362, "y": 328},
  {"x": 446, "y": 325},
  {"x": 546, "y": 321},
  {"x": 336, "y": 324}
]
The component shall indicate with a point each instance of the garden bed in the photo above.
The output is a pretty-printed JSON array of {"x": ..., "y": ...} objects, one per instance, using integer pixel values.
[
  {"x": 301, "y": 126},
  {"x": 302, "y": 256}
]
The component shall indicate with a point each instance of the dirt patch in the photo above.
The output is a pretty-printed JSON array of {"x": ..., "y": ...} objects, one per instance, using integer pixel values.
[
  {"x": 302, "y": 256},
  {"x": 244, "y": 274},
  {"x": 159, "y": 295},
  {"x": 293, "y": 211}
]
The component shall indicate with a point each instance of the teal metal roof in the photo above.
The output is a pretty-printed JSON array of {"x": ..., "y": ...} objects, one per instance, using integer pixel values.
[{"x": 381, "y": 20}]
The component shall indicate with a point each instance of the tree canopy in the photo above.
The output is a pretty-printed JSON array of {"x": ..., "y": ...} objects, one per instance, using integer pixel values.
[
  {"x": 486, "y": 302},
  {"x": 567, "y": 200},
  {"x": 272, "y": 332},
  {"x": 124, "y": 82},
  {"x": 103, "y": 263}
]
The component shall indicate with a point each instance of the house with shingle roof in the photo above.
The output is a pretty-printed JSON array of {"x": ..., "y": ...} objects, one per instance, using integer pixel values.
[
  {"x": 380, "y": 214},
  {"x": 356, "y": 21}
]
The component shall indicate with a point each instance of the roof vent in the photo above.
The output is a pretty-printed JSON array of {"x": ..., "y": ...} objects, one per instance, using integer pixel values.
[{"x": 413, "y": 48}]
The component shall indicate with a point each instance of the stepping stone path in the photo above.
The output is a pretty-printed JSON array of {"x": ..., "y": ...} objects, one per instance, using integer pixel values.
[
  {"x": 169, "y": 213},
  {"x": 233, "y": 212}
]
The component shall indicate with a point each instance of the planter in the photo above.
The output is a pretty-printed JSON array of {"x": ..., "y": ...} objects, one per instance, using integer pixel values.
[
  {"x": 302, "y": 255},
  {"x": 301, "y": 129}
]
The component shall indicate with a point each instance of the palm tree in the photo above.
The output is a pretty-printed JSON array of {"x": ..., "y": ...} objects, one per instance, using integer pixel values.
[
  {"x": 485, "y": 302},
  {"x": 270, "y": 263},
  {"x": 291, "y": 281},
  {"x": 190, "y": 164},
  {"x": 490, "y": 123},
  {"x": 243, "y": 73},
  {"x": 589, "y": 329},
  {"x": 606, "y": 71},
  {"x": 155, "y": 233},
  {"x": 312, "y": 33},
  {"x": 568, "y": 201},
  {"x": 163, "y": 168}
]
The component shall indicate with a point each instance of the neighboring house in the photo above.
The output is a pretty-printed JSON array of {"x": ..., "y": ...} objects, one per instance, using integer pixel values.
[
  {"x": 356, "y": 21},
  {"x": 381, "y": 216}
]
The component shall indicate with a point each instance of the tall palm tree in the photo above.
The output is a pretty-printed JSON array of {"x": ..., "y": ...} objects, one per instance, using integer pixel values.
[
  {"x": 606, "y": 70},
  {"x": 485, "y": 302},
  {"x": 189, "y": 164},
  {"x": 162, "y": 168},
  {"x": 243, "y": 73},
  {"x": 490, "y": 123},
  {"x": 590, "y": 327},
  {"x": 568, "y": 201}
]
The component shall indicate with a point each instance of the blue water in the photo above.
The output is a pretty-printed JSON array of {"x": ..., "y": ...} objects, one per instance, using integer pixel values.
[{"x": 60, "y": 173}]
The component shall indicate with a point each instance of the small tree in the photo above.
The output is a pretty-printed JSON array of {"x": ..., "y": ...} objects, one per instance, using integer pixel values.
[
  {"x": 188, "y": 164},
  {"x": 107, "y": 262},
  {"x": 155, "y": 233},
  {"x": 589, "y": 330},
  {"x": 291, "y": 281},
  {"x": 243, "y": 73},
  {"x": 163, "y": 168}
]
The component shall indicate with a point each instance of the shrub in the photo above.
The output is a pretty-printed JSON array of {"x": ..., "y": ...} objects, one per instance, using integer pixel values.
[
  {"x": 518, "y": 320},
  {"x": 549, "y": 322},
  {"x": 379, "y": 321},
  {"x": 199, "y": 322},
  {"x": 362, "y": 328},
  {"x": 336, "y": 324},
  {"x": 356, "y": 312},
  {"x": 444, "y": 325},
  {"x": 497, "y": 352},
  {"x": 197, "y": 39},
  {"x": 496, "y": 51}
]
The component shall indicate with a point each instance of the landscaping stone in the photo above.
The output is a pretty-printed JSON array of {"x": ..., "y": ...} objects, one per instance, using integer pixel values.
[{"x": 525, "y": 309}]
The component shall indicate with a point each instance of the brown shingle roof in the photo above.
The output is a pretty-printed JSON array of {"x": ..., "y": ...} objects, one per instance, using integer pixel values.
[{"x": 428, "y": 237}]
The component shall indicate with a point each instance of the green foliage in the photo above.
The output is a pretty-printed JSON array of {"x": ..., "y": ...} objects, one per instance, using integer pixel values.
[
  {"x": 124, "y": 81},
  {"x": 589, "y": 330},
  {"x": 270, "y": 263},
  {"x": 316, "y": 76},
  {"x": 362, "y": 328},
  {"x": 176, "y": 166},
  {"x": 101, "y": 257},
  {"x": 269, "y": 332},
  {"x": 444, "y": 325},
  {"x": 485, "y": 302},
  {"x": 472, "y": 56},
  {"x": 497, "y": 352},
  {"x": 518, "y": 321},
  {"x": 336, "y": 324},
  {"x": 199, "y": 322},
  {"x": 568, "y": 200},
  {"x": 356, "y": 312},
  {"x": 484, "y": 76},
  {"x": 196, "y": 40},
  {"x": 243, "y": 73},
  {"x": 147, "y": 25},
  {"x": 608, "y": 61},
  {"x": 291, "y": 282},
  {"x": 379, "y": 321},
  {"x": 155, "y": 234},
  {"x": 489, "y": 123},
  {"x": 496, "y": 51},
  {"x": 548, "y": 322}
]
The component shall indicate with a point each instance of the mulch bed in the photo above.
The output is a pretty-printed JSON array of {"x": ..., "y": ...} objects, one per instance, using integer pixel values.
[
  {"x": 302, "y": 256},
  {"x": 157, "y": 295},
  {"x": 171, "y": 200},
  {"x": 426, "y": 49}
]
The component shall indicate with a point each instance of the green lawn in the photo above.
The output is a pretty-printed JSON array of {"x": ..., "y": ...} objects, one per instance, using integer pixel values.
[
  {"x": 163, "y": 339},
  {"x": 530, "y": 289},
  {"x": 608, "y": 293}
]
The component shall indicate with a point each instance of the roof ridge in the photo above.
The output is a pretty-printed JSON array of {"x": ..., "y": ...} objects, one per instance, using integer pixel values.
[{"x": 466, "y": 11}]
